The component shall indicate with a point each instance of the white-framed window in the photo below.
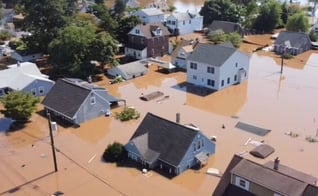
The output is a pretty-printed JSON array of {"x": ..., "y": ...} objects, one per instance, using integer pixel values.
[
  {"x": 222, "y": 83},
  {"x": 33, "y": 91},
  {"x": 236, "y": 64},
  {"x": 193, "y": 65},
  {"x": 242, "y": 183},
  {"x": 41, "y": 90},
  {"x": 210, "y": 69},
  {"x": 228, "y": 80},
  {"x": 92, "y": 100},
  {"x": 210, "y": 82},
  {"x": 235, "y": 77}
]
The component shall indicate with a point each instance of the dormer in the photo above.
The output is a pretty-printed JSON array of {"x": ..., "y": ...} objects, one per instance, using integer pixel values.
[{"x": 157, "y": 32}]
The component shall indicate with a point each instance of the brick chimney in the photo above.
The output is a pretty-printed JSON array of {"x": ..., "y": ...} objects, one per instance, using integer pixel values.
[{"x": 276, "y": 163}]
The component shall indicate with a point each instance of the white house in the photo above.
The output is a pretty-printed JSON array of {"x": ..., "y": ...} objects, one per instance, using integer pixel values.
[
  {"x": 181, "y": 53},
  {"x": 150, "y": 15},
  {"x": 24, "y": 77},
  {"x": 184, "y": 23},
  {"x": 217, "y": 66}
]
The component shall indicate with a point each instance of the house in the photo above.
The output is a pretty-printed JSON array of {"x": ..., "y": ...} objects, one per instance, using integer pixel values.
[
  {"x": 181, "y": 52},
  {"x": 23, "y": 56},
  {"x": 76, "y": 101},
  {"x": 132, "y": 3},
  {"x": 216, "y": 66},
  {"x": 150, "y": 15},
  {"x": 292, "y": 43},
  {"x": 168, "y": 146},
  {"x": 248, "y": 178},
  {"x": 184, "y": 23},
  {"x": 129, "y": 70},
  {"x": 226, "y": 26},
  {"x": 24, "y": 77},
  {"x": 150, "y": 40}
]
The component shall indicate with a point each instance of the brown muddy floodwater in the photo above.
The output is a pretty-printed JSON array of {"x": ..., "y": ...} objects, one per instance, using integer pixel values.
[{"x": 269, "y": 100}]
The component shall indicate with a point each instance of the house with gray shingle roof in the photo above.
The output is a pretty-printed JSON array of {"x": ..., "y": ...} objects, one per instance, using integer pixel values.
[
  {"x": 76, "y": 101},
  {"x": 24, "y": 77},
  {"x": 245, "y": 177},
  {"x": 150, "y": 15},
  {"x": 217, "y": 66},
  {"x": 168, "y": 146},
  {"x": 184, "y": 23},
  {"x": 148, "y": 40},
  {"x": 292, "y": 43},
  {"x": 129, "y": 70},
  {"x": 226, "y": 26}
]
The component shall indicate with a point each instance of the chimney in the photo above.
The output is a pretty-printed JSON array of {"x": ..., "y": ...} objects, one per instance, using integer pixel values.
[
  {"x": 276, "y": 163},
  {"x": 18, "y": 64},
  {"x": 178, "y": 117}
]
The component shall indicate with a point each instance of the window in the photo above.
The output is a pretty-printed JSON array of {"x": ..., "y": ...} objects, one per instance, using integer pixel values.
[
  {"x": 210, "y": 69},
  {"x": 168, "y": 22},
  {"x": 193, "y": 65},
  {"x": 33, "y": 91},
  {"x": 242, "y": 183},
  {"x": 235, "y": 77},
  {"x": 183, "y": 22},
  {"x": 41, "y": 90},
  {"x": 194, "y": 147},
  {"x": 210, "y": 82},
  {"x": 137, "y": 31},
  {"x": 228, "y": 80},
  {"x": 236, "y": 64},
  {"x": 194, "y": 77},
  {"x": 199, "y": 144},
  {"x": 173, "y": 22},
  {"x": 222, "y": 83},
  {"x": 189, "y": 21},
  {"x": 93, "y": 100}
]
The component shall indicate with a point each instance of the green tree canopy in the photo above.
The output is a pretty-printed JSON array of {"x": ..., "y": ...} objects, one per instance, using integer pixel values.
[
  {"x": 269, "y": 16},
  {"x": 125, "y": 25},
  {"x": 219, "y": 37},
  {"x": 220, "y": 10},
  {"x": 114, "y": 152},
  {"x": 43, "y": 19},
  {"x": 298, "y": 22},
  {"x": 19, "y": 105},
  {"x": 235, "y": 39}
]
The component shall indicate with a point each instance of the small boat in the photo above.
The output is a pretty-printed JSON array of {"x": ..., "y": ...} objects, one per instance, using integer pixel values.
[{"x": 214, "y": 172}]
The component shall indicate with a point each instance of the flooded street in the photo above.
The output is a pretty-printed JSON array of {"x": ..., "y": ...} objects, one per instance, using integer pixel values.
[{"x": 281, "y": 103}]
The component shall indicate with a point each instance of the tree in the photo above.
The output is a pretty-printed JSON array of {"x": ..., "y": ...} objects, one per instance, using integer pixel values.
[
  {"x": 70, "y": 51},
  {"x": 119, "y": 7},
  {"x": 19, "y": 105},
  {"x": 269, "y": 16},
  {"x": 250, "y": 13},
  {"x": 235, "y": 39},
  {"x": 100, "y": 1},
  {"x": 220, "y": 10},
  {"x": 125, "y": 25},
  {"x": 217, "y": 36},
  {"x": 43, "y": 19},
  {"x": 127, "y": 114},
  {"x": 114, "y": 152},
  {"x": 298, "y": 22}
]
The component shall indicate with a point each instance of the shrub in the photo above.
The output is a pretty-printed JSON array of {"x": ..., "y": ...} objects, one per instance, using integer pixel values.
[
  {"x": 128, "y": 113},
  {"x": 114, "y": 152}
]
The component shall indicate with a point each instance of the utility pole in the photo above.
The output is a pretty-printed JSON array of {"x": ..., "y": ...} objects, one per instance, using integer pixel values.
[
  {"x": 282, "y": 64},
  {"x": 52, "y": 141}
]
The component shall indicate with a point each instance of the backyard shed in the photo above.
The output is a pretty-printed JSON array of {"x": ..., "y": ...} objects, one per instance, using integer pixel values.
[{"x": 262, "y": 151}]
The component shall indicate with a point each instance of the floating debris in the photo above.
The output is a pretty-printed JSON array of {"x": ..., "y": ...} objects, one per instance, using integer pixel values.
[
  {"x": 311, "y": 139},
  {"x": 292, "y": 134}
]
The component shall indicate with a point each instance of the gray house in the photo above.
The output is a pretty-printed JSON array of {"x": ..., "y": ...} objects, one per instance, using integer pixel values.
[
  {"x": 24, "y": 77},
  {"x": 76, "y": 101},
  {"x": 130, "y": 70},
  {"x": 248, "y": 178},
  {"x": 293, "y": 43},
  {"x": 168, "y": 146},
  {"x": 226, "y": 26}
]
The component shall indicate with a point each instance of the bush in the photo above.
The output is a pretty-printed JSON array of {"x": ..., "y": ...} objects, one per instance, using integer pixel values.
[
  {"x": 114, "y": 152},
  {"x": 128, "y": 113}
]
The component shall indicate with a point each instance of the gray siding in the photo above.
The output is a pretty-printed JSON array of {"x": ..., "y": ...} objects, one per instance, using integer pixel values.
[
  {"x": 36, "y": 86},
  {"x": 89, "y": 111}
]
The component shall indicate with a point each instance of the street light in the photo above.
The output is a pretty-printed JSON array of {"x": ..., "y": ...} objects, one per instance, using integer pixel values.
[{"x": 52, "y": 141}]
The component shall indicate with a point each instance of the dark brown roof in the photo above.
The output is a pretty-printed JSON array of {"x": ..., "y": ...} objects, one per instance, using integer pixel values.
[
  {"x": 269, "y": 178},
  {"x": 147, "y": 29},
  {"x": 293, "y": 173}
]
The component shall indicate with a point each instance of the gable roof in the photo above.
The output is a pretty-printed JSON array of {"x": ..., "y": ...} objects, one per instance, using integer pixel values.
[
  {"x": 292, "y": 39},
  {"x": 181, "y": 16},
  {"x": 67, "y": 95},
  {"x": 211, "y": 54},
  {"x": 163, "y": 138},
  {"x": 152, "y": 11},
  {"x": 285, "y": 180},
  {"x": 147, "y": 29},
  {"x": 181, "y": 45},
  {"x": 226, "y": 26},
  {"x": 20, "y": 75}
]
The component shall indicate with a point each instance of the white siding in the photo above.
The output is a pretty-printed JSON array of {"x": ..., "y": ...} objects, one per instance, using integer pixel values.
[
  {"x": 185, "y": 26},
  {"x": 138, "y": 54}
]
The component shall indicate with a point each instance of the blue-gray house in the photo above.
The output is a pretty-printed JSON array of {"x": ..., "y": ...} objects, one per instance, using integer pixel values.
[
  {"x": 25, "y": 77},
  {"x": 77, "y": 101},
  {"x": 165, "y": 145}
]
